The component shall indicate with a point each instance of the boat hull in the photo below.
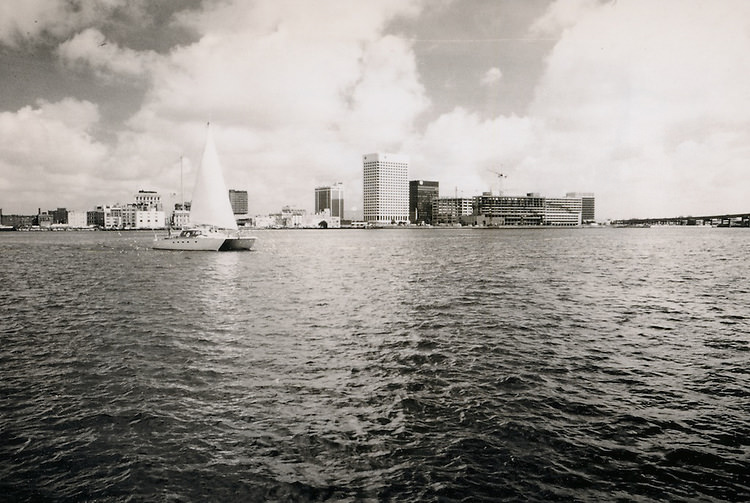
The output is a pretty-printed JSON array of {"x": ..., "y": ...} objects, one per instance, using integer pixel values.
[
  {"x": 204, "y": 243},
  {"x": 236, "y": 244}
]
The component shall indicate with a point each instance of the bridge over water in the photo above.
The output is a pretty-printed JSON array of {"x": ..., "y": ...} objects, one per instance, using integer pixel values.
[{"x": 728, "y": 220}]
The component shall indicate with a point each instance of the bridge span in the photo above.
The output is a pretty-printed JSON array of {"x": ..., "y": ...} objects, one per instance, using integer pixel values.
[{"x": 727, "y": 220}]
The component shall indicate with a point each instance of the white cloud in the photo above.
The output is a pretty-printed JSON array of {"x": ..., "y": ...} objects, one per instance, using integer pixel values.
[
  {"x": 463, "y": 152},
  {"x": 491, "y": 77},
  {"x": 297, "y": 95},
  {"x": 562, "y": 14},
  {"x": 643, "y": 103},
  {"x": 48, "y": 149}
]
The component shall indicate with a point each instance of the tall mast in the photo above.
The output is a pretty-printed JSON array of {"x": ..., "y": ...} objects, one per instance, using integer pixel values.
[{"x": 182, "y": 194}]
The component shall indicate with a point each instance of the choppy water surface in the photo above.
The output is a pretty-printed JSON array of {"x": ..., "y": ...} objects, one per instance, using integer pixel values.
[{"x": 394, "y": 365}]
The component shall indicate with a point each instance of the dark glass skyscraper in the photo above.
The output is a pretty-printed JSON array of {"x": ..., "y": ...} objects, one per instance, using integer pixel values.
[
  {"x": 330, "y": 198},
  {"x": 421, "y": 194}
]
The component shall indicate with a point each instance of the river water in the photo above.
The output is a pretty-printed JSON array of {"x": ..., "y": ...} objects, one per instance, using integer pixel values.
[{"x": 378, "y": 365}]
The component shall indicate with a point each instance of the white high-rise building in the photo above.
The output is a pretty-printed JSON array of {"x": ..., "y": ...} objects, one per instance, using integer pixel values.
[{"x": 385, "y": 188}]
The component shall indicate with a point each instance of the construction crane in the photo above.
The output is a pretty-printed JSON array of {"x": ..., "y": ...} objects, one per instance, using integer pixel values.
[{"x": 500, "y": 177}]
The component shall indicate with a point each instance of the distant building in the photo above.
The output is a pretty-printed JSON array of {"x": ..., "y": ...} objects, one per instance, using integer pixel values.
[
  {"x": 330, "y": 198},
  {"x": 44, "y": 219},
  {"x": 18, "y": 221},
  {"x": 385, "y": 188},
  {"x": 322, "y": 220},
  {"x": 451, "y": 210},
  {"x": 588, "y": 206},
  {"x": 135, "y": 218},
  {"x": 130, "y": 216},
  {"x": 492, "y": 210},
  {"x": 562, "y": 211},
  {"x": 76, "y": 219},
  {"x": 238, "y": 200},
  {"x": 291, "y": 217},
  {"x": 180, "y": 217},
  {"x": 59, "y": 216},
  {"x": 147, "y": 199},
  {"x": 421, "y": 195},
  {"x": 106, "y": 217},
  {"x": 529, "y": 210},
  {"x": 95, "y": 217}
]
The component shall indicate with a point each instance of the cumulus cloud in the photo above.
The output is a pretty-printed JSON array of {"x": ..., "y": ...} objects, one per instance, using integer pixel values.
[
  {"x": 48, "y": 149},
  {"x": 30, "y": 20},
  {"x": 299, "y": 93},
  {"x": 91, "y": 48},
  {"x": 643, "y": 103},
  {"x": 630, "y": 89}
]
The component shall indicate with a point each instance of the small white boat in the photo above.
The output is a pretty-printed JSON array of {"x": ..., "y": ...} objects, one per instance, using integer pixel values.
[{"x": 212, "y": 223}]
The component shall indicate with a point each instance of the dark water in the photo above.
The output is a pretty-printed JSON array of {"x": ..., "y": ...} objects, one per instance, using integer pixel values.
[{"x": 393, "y": 365}]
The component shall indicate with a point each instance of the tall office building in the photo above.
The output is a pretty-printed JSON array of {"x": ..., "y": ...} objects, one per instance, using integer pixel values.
[
  {"x": 238, "y": 200},
  {"x": 385, "y": 188},
  {"x": 588, "y": 206},
  {"x": 421, "y": 194},
  {"x": 330, "y": 198}
]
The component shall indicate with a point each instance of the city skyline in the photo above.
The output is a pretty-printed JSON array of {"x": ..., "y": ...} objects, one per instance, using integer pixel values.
[{"x": 644, "y": 105}]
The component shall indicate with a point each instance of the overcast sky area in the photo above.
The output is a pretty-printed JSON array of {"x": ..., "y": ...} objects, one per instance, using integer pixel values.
[{"x": 645, "y": 103}]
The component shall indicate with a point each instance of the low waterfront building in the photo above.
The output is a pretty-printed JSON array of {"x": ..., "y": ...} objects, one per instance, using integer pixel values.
[
  {"x": 562, "y": 211},
  {"x": 95, "y": 218},
  {"x": 113, "y": 218},
  {"x": 130, "y": 216},
  {"x": 588, "y": 206},
  {"x": 134, "y": 217},
  {"x": 77, "y": 219},
  {"x": 490, "y": 210},
  {"x": 105, "y": 217},
  {"x": 322, "y": 220},
  {"x": 18, "y": 221},
  {"x": 451, "y": 210},
  {"x": 44, "y": 219},
  {"x": 293, "y": 218},
  {"x": 59, "y": 216},
  {"x": 180, "y": 217},
  {"x": 529, "y": 210}
]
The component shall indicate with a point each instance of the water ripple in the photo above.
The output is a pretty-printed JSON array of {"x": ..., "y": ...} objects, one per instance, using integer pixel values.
[{"x": 442, "y": 365}]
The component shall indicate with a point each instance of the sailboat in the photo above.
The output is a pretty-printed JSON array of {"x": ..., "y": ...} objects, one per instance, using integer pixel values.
[{"x": 212, "y": 224}]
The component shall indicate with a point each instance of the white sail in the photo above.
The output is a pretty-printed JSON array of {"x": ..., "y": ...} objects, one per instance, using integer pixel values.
[{"x": 210, "y": 204}]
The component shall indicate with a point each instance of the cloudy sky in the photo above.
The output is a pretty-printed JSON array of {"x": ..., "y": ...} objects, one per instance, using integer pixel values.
[{"x": 646, "y": 103}]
